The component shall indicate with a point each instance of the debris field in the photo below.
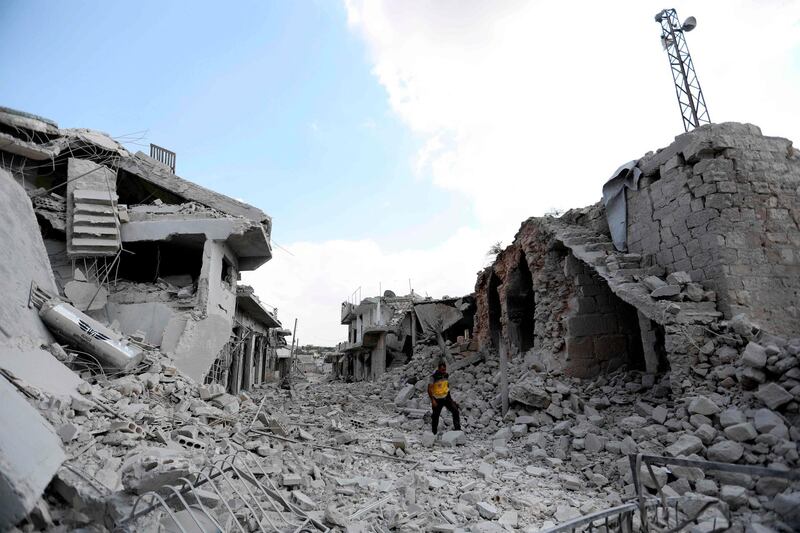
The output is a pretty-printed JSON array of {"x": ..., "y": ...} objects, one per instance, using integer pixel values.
[{"x": 633, "y": 365}]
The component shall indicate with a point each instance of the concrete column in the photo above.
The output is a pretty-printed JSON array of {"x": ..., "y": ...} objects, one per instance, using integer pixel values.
[
  {"x": 378, "y": 359},
  {"x": 247, "y": 366},
  {"x": 259, "y": 361},
  {"x": 235, "y": 371},
  {"x": 358, "y": 367}
]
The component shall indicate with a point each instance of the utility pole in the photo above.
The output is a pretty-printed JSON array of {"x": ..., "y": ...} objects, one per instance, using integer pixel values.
[{"x": 687, "y": 87}]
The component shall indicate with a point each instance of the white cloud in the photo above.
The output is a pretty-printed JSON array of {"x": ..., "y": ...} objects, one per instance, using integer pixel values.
[
  {"x": 527, "y": 105},
  {"x": 524, "y": 106},
  {"x": 317, "y": 277}
]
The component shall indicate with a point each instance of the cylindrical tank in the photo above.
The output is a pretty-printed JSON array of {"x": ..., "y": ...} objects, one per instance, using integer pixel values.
[{"x": 112, "y": 350}]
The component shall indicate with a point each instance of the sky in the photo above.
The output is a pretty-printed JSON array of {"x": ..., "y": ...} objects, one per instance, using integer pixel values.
[{"x": 392, "y": 142}]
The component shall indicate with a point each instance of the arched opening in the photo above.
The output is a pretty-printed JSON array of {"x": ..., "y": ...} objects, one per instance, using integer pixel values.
[
  {"x": 520, "y": 307},
  {"x": 495, "y": 311},
  {"x": 605, "y": 333}
]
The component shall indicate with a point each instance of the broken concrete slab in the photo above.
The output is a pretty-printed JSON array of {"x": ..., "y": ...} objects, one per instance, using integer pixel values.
[
  {"x": 38, "y": 368},
  {"x": 25, "y": 469},
  {"x": 29, "y": 262},
  {"x": 86, "y": 296}
]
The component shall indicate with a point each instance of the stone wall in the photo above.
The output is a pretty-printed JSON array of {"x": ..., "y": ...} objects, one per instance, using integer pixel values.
[
  {"x": 575, "y": 321},
  {"x": 551, "y": 292},
  {"x": 603, "y": 331},
  {"x": 723, "y": 203}
]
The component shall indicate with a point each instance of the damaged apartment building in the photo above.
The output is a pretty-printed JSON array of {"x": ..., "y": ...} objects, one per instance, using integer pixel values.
[
  {"x": 382, "y": 331},
  {"x": 154, "y": 257},
  {"x": 703, "y": 230}
]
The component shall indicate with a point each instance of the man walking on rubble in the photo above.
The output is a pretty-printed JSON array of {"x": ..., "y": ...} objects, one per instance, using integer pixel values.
[{"x": 439, "y": 393}]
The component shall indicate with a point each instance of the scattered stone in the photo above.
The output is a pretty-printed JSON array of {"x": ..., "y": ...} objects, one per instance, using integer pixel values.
[
  {"x": 725, "y": 451},
  {"x": 703, "y": 406},
  {"x": 679, "y": 278},
  {"x": 788, "y": 508},
  {"x": 734, "y": 496},
  {"x": 305, "y": 503},
  {"x": 667, "y": 291},
  {"x": 731, "y": 416},
  {"x": 67, "y": 432},
  {"x": 290, "y": 480},
  {"x": 510, "y": 519},
  {"x": 653, "y": 282},
  {"x": 453, "y": 438},
  {"x": 766, "y": 420},
  {"x": 487, "y": 510},
  {"x": 405, "y": 394},
  {"x": 741, "y": 432},
  {"x": 685, "y": 445},
  {"x": 754, "y": 355},
  {"x": 659, "y": 414},
  {"x": 773, "y": 395}
]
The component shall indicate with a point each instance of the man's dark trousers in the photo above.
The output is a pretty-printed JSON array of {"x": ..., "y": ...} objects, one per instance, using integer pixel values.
[{"x": 452, "y": 406}]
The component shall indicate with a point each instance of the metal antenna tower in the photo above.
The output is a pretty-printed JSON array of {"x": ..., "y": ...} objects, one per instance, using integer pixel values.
[{"x": 687, "y": 87}]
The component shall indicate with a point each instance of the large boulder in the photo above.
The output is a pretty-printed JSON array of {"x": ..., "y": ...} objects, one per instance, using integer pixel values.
[{"x": 529, "y": 392}]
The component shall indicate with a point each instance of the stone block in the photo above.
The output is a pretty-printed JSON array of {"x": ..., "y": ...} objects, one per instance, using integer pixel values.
[
  {"x": 731, "y": 416},
  {"x": 741, "y": 432},
  {"x": 667, "y": 291},
  {"x": 580, "y": 347},
  {"x": 703, "y": 406},
  {"x": 487, "y": 510},
  {"x": 653, "y": 282},
  {"x": 685, "y": 445},
  {"x": 754, "y": 355},
  {"x": 679, "y": 278},
  {"x": 404, "y": 395},
  {"x": 766, "y": 420},
  {"x": 584, "y": 325},
  {"x": 304, "y": 502},
  {"x": 788, "y": 508},
  {"x": 725, "y": 451},
  {"x": 290, "y": 480},
  {"x": 453, "y": 438},
  {"x": 773, "y": 395}
]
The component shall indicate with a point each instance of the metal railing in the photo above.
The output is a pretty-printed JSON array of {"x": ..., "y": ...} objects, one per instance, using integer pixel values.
[
  {"x": 162, "y": 155},
  {"x": 621, "y": 517},
  {"x": 637, "y": 460}
]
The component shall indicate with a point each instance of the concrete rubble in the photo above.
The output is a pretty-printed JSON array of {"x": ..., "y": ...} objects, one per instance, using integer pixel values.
[{"x": 686, "y": 345}]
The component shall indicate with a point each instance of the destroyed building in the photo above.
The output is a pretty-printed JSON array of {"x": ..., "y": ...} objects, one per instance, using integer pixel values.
[
  {"x": 134, "y": 246},
  {"x": 605, "y": 380},
  {"x": 711, "y": 229},
  {"x": 379, "y": 330},
  {"x": 383, "y": 330}
]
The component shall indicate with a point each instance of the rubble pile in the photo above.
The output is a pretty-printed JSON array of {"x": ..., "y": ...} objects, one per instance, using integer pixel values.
[
  {"x": 127, "y": 435},
  {"x": 582, "y": 431}
]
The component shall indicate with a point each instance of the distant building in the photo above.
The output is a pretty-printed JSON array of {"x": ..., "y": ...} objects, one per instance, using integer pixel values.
[{"x": 379, "y": 329}]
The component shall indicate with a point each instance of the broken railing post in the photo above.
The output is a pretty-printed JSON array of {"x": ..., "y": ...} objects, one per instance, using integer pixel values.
[{"x": 504, "y": 377}]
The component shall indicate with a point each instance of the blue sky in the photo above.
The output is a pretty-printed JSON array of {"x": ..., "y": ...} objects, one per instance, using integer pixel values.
[{"x": 270, "y": 102}]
